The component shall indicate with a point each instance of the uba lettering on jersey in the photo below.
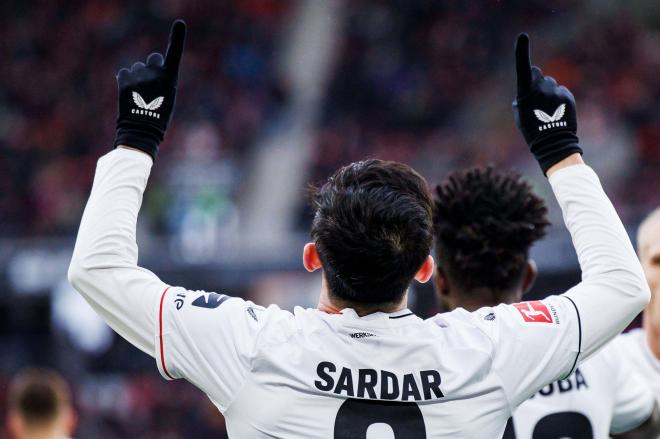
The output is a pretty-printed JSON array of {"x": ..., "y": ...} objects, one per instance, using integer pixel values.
[
  {"x": 537, "y": 312},
  {"x": 574, "y": 382},
  {"x": 382, "y": 385}
]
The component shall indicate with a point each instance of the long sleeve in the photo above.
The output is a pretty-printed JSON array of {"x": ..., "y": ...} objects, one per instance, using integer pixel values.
[
  {"x": 613, "y": 288},
  {"x": 104, "y": 264}
]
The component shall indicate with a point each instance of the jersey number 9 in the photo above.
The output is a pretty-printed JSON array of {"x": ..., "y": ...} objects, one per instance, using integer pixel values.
[{"x": 371, "y": 419}]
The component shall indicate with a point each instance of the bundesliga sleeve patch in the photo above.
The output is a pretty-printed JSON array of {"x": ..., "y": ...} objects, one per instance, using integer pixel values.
[{"x": 537, "y": 311}]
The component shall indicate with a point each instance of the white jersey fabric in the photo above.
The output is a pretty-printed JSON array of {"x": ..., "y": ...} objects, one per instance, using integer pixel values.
[
  {"x": 604, "y": 395},
  {"x": 634, "y": 347},
  {"x": 327, "y": 375},
  {"x": 307, "y": 374}
]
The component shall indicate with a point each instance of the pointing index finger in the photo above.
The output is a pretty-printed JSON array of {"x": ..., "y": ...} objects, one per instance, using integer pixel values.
[
  {"x": 175, "y": 48},
  {"x": 523, "y": 63}
]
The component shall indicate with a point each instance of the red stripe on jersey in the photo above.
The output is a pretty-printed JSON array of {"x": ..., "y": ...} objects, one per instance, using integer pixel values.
[{"x": 160, "y": 324}]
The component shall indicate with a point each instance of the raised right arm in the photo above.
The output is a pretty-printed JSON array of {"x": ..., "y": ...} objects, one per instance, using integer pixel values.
[
  {"x": 613, "y": 288},
  {"x": 539, "y": 342}
]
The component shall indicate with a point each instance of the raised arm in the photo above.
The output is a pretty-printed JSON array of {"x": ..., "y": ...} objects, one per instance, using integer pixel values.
[
  {"x": 104, "y": 263},
  {"x": 613, "y": 289}
]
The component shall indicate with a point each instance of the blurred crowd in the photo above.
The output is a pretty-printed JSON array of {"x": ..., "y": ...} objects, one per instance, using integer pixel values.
[
  {"x": 431, "y": 84},
  {"x": 428, "y": 83},
  {"x": 58, "y": 102}
]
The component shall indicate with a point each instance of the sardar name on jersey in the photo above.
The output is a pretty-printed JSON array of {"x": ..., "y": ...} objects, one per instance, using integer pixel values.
[{"x": 383, "y": 384}]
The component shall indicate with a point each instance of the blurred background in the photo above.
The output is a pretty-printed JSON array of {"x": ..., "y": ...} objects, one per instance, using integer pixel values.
[{"x": 274, "y": 95}]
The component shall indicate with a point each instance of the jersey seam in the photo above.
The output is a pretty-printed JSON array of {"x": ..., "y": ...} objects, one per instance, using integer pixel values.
[{"x": 577, "y": 356}]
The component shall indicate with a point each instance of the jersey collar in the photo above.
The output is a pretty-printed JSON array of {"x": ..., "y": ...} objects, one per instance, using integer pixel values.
[{"x": 349, "y": 315}]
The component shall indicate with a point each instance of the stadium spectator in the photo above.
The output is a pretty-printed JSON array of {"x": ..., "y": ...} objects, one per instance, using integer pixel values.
[{"x": 40, "y": 406}]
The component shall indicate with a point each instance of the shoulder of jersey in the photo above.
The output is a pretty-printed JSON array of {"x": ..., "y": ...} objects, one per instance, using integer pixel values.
[
  {"x": 461, "y": 328},
  {"x": 460, "y": 318}
]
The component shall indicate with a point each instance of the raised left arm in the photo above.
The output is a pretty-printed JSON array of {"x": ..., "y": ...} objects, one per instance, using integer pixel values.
[{"x": 104, "y": 264}]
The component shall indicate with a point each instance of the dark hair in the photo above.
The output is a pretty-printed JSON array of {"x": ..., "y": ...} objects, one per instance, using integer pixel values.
[
  {"x": 38, "y": 396},
  {"x": 373, "y": 228},
  {"x": 485, "y": 222}
]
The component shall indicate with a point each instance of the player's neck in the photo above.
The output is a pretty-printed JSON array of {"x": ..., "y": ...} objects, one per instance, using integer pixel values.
[{"x": 333, "y": 305}]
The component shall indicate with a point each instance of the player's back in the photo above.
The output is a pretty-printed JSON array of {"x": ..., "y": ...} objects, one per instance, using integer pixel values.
[
  {"x": 602, "y": 396},
  {"x": 336, "y": 375},
  {"x": 316, "y": 375}
]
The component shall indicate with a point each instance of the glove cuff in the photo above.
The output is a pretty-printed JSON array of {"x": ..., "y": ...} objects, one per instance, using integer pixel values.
[
  {"x": 551, "y": 151},
  {"x": 140, "y": 137}
]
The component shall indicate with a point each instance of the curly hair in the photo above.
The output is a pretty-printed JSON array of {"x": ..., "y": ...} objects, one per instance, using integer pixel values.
[
  {"x": 373, "y": 228},
  {"x": 485, "y": 221}
]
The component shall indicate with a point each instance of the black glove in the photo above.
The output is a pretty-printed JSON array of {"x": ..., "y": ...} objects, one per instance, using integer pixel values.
[
  {"x": 147, "y": 94},
  {"x": 544, "y": 112}
]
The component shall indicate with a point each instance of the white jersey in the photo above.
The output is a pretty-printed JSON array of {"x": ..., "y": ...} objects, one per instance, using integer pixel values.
[
  {"x": 604, "y": 395},
  {"x": 315, "y": 375},
  {"x": 635, "y": 349},
  {"x": 307, "y": 374}
]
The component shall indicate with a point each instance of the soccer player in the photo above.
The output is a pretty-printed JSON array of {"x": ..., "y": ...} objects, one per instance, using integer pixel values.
[
  {"x": 39, "y": 403},
  {"x": 361, "y": 365},
  {"x": 485, "y": 223},
  {"x": 642, "y": 346}
]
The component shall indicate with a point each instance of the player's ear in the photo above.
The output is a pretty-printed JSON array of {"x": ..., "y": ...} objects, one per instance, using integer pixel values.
[
  {"x": 70, "y": 421},
  {"x": 311, "y": 259},
  {"x": 425, "y": 272},
  {"x": 531, "y": 272}
]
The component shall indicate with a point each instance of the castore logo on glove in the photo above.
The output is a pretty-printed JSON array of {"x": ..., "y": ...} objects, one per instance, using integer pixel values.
[
  {"x": 551, "y": 121},
  {"x": 147, "y": 109}
]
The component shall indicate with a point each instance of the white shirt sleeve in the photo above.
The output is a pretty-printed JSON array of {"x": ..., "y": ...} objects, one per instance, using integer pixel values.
[
  {"x": 203, "y": 337},
  {"x": 209, "y": 339},
  {"x": 104, "y": 264},
  {"x": 613, "y": 288},
  {"x": 542, "y": 341},
  {"x": 633, "y": 399}
]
